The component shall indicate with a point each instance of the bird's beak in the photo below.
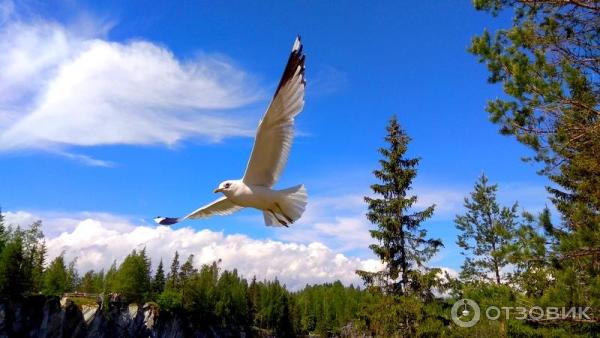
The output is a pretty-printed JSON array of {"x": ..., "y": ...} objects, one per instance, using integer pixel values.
[{"x": 217, "y": 190}]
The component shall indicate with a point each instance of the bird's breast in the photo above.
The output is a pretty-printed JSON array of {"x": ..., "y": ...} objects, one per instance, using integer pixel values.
[{"x": 254, "y": 197}]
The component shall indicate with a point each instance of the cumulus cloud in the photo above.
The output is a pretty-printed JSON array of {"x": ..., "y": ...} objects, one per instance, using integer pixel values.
[
  {"x": 60, "y": 88},
  {"x": 339, "y": 222},
  {"x": 99, "y": 239}
]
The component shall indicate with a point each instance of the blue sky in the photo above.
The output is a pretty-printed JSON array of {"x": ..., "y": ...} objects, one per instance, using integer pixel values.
[{"x": 81, "y": 141}]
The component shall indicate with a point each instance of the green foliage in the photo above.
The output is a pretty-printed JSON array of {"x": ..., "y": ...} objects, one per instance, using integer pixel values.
[
  {"x": 56, "y": 280},
  {"x": 231, "y": 308},
  {"x": 92, "y": 282},
  {"x": 487, "y": 232},
  {"x": 531, "y": 256},
  {"x": 173, "y": 276},
  {"x": 158, "y": 283},
  {"x": 326, "y": 308},
  {"x": 14, "y": 277},
  {"x": 403, "y": 245},
  {"x": 170, "y": 300},
  {"x": 109, "y": 278},
  {"x": 275, "y": 309},
  {"x": 549, "y": 63},
  {"x": 132, "y": 279}
]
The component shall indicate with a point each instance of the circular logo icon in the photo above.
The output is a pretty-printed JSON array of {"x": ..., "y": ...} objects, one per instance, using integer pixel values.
[{"x": 464, "y": 309}]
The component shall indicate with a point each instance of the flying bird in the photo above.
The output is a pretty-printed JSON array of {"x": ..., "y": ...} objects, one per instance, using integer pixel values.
[{"x": 267, "y": 160}]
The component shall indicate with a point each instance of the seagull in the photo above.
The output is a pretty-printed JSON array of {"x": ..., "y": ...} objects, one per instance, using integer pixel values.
[{"x": 267, "y": 160}]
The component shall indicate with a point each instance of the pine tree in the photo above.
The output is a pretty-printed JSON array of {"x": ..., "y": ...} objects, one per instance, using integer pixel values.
[
  {"x": 549, "y": 63},
  {"x": 403, "y": 244},
  {"x": 158, "y": 283},
  {"x": 487, "y": 234},
  {"x": 530, "y": 255}
]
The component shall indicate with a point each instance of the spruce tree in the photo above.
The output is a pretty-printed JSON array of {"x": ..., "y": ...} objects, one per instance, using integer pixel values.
[
  {"x": 38, "y": 266},
  {"x": 487, "y": 233},
  {"x": 158, "y": 283},
  {"x": 173, "y": 276},
  {"x": 403, "y": 245}
]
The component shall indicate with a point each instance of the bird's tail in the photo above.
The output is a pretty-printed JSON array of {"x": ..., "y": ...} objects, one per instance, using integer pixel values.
[{"x": 289, "y": 209}]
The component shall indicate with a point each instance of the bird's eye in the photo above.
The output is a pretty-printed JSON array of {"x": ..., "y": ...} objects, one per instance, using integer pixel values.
[{"x": 227, "y": 185}]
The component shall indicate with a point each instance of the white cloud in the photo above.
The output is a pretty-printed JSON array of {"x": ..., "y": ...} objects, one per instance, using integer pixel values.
[
  {"x": 448, "y": 201},
  {"x": 62, "y": 88},
  {"x": 339, "y": 222},
  {"x": 96, "y": 239}
]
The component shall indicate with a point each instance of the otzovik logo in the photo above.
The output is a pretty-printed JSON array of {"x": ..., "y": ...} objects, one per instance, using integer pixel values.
[{"x": 465, "y": 313}]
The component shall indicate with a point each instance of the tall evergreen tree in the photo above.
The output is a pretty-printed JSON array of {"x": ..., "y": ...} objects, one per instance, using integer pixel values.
[
  {"x": 173, "y": 276},
  {"x": 158, "y": 283},
  {"x": 487, "y": 232},
  {"x": 38, "y": 266},
  {"x": 403, "y": 244}
]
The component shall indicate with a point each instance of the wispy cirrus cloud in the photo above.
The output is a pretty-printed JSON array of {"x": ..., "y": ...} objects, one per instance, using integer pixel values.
[
  {"x": 327, "y": 80},
  {"x": 62, "y": 86}
]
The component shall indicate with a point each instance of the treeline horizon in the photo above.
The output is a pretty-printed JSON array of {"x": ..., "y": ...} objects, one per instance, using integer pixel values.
[
  {"x": 548, "y": 63},
  {"x": 208, "y": 296}
]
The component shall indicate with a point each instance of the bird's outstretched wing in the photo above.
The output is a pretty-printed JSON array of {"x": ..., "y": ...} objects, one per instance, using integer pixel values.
[
  {"x": 275, "y": 130},
  {"x": 221, "y": 206}
]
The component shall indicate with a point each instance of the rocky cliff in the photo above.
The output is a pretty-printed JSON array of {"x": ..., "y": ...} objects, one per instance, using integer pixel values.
[{"x": 41, "y": 316}]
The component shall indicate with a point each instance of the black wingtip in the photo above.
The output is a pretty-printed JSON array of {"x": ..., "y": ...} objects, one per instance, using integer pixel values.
[
  {"x": 295, "y": 60},
  {"x": 166, "y": 220}
]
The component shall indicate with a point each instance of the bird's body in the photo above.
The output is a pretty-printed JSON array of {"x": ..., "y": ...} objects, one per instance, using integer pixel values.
[
  {"x": 267, "y": 160},
  {"x": 282, "y": 205},
  {"x": 252, "y": 196}
]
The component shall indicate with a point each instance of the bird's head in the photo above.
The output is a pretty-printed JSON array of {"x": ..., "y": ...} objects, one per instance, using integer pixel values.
[{"x": 225, "y": 187}]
